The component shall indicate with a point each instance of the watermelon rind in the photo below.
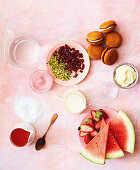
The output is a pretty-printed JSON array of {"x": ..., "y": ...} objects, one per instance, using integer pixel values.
[
  {"x": 114, "y": 155},
  {"x": 131, "y": 132},
  {"x": 89, "y": 157}
]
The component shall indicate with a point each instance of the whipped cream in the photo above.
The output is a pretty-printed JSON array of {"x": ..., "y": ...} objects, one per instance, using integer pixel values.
[{"x": 125, "y": 75}]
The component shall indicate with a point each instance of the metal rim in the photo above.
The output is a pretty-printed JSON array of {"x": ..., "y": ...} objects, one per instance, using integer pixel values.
[{"x": 137, "y": 75}]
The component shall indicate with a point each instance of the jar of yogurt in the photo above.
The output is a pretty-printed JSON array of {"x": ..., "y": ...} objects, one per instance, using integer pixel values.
[{"x": 125, "y": 75}]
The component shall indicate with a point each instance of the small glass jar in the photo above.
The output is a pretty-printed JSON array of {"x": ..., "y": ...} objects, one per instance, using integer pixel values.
[{"x": 41, "y": 81}]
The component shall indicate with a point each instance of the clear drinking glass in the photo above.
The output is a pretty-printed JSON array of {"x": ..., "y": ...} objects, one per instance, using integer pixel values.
[
  {"x": 108, "y": 91},
  {"x": 41, "y": 81}
]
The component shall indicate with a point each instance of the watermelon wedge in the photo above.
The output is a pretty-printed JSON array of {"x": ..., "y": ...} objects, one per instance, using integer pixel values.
[
  {"x": 113, "y": 150},
  {"x": 123, "y": 131},
  {"x": 95, "y": 150}
]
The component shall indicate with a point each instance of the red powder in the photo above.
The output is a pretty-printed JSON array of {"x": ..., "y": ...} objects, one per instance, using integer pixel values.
[{"x": 19, "y": 137}]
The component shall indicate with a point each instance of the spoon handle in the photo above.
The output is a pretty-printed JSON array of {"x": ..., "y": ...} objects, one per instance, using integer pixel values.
[{"x": 53, "y": 119}]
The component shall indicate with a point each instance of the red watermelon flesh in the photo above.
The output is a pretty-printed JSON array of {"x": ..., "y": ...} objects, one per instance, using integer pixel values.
[
  {"x": 113, "y": 149},
  {"x": 123, "y": 131},
  {"x": 95, "y": 150},
  {"x": 103, "y": 124}
]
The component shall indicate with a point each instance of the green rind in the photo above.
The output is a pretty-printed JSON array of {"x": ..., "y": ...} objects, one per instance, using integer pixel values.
[
  {"x": 114, "y": 155},
  {"x": 131, "y": 131},
  {"x": 86, "y": 155}
]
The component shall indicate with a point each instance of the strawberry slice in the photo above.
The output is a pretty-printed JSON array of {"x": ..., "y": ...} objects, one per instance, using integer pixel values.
[
  {"x": 98, "y": 125},
  {"x": 87, "y": 139},
  {"x": 94, "y": 133},
  {"x": 90, "y": 122},
  {"x": 93, "y": 114},
  {"x": 97, "y": 115},
  {"x": 105, "y": 116},
  {"x": 86, "y": 128},
  {"x": 82, "y": 134}
]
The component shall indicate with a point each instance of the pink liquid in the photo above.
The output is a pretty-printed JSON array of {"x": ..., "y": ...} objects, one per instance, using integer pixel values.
[
  {"x": 24, "y": 51},
  {"x": 41, "y": 81}
]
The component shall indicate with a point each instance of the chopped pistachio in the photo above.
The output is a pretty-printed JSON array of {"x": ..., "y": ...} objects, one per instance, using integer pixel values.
[{"x": 59, "y": 69}]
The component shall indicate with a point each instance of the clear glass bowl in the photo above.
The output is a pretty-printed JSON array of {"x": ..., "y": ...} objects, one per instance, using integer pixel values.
[
  {"x": 108, "y": 91},
  {"x": 41, "y": 81},
  {"x": 22, "y": 50}
]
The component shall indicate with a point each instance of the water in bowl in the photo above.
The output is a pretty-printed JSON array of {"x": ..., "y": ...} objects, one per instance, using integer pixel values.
[{"x": 23, "y": 51}]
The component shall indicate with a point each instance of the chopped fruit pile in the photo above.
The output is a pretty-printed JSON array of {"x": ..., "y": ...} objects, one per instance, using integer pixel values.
[
  {"x": 107, "y": 140},
  {"x": 91, "y": 126},
  {"x": 67, "y": 61},
  {"x": 58, "y": 69}
]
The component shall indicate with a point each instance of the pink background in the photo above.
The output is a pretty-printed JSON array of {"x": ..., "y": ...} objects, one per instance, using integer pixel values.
[{"x": 51, "y": 21}]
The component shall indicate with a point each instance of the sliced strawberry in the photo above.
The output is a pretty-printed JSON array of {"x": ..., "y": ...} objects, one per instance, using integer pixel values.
[
  {"x": 82, "y": 134},
  {"x": 94, "y": 133},
  {"x": 97, "y": 115},
  {"x": 87, "y": 139},
  {"x": 90, "y": 122},
  {"x": 105, "y": 116},
  {"x": 98, "y": 124},
  {"x": 86, "y": 128},
  {"x": 93, "y": 114}
]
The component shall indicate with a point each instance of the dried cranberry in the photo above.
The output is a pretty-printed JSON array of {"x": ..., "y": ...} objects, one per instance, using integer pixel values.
[{"x": 72, "y": 57}]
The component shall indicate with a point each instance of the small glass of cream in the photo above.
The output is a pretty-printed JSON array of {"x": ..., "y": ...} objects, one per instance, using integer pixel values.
[
  {"x": 125, "y": 75},
  {"x": 74, "y": 102}
]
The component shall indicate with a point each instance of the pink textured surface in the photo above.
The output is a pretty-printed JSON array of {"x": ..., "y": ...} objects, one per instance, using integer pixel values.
[{"x": 51, "y": 21}]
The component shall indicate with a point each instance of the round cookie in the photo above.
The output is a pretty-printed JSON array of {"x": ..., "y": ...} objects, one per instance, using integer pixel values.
[
  {"x": 109, "y": 56},
  {"x": 108, "y": 26},
  {"x": 95, "y": 52},
  {"x": 113, "y": 39},
  {"x": 95, "y": 38}
]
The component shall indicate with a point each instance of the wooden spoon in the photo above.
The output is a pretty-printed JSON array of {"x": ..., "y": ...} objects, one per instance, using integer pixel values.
[{"x": 40, "y": 143}]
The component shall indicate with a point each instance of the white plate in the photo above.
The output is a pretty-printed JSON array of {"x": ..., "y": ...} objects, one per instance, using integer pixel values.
[{"x": 80, "y": 76}]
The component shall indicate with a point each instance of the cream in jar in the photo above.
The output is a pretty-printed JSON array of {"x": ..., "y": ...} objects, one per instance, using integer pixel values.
[{"x": 125, "y": 75}]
